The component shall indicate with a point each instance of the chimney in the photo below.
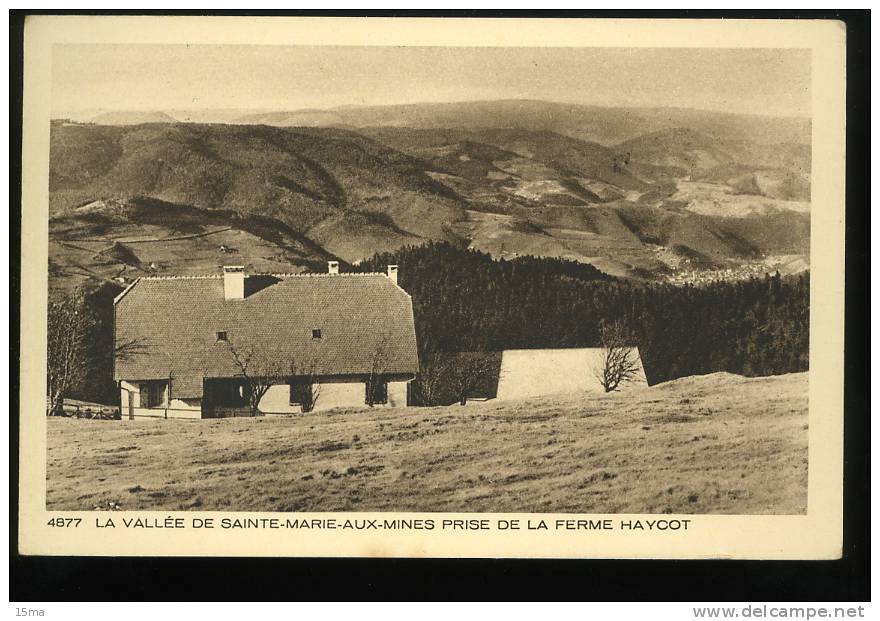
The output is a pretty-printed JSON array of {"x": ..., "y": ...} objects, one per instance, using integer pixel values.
[
  {"x": 233, "y": 282},
  {"x": 332, "y": 267},
  {"x": 392, "y": 273}
]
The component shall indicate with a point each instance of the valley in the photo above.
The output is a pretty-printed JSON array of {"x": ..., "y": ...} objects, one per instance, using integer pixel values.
[{"x": 129, "y": 197}]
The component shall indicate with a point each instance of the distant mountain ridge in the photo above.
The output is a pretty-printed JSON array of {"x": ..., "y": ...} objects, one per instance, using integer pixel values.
[
  {"x": 607, "y": 126},
  {"x": 132, "y": 117}
]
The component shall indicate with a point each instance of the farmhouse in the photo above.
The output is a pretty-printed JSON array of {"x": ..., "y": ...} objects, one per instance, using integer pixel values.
[{"x": 194, "y": 347}]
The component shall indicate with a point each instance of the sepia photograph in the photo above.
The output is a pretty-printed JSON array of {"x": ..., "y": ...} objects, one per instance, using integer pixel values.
[
  {"x": 408, "y": 287},
  {"x": 289, "y": 278}
]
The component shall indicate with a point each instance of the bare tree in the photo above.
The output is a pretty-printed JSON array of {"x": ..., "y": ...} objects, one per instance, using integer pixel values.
[
  {"x": 70, "y": 322},
  {"x": 428, "y": 385},
  {"x": 378, "y": 370},
  {"x": 306, "y": 374},
  {"x": 468, "y": 372},
  {"x": 620, "y": 363},
  {"x": 258, "y": 372}
]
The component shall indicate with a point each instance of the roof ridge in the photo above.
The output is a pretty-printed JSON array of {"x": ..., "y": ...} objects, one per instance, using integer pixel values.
[
  {"x": 280, "y": 274},
  {"x": 184, "y": 277},
  {"x": 319, "y": 274}
]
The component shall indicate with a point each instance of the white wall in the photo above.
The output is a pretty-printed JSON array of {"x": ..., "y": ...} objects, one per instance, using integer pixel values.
[
  {"x": 277, "y": 401},
  {"x": 397, "y": 394},
  {"x": 125, "y": 389},
  {"x": 333, "y": 394},
  {"x": 536, "y": 372}
]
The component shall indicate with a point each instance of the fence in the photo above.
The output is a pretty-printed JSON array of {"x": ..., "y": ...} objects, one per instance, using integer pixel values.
[
  {"x": 86, "y": 411},
  {"x": 161, "y": 413},
  {"x": 100, "y": 412},
  {"x": 188, "y": 413}
]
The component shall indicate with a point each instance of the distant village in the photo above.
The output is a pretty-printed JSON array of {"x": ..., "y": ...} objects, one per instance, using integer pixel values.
[{"x": 694, "y": 276}]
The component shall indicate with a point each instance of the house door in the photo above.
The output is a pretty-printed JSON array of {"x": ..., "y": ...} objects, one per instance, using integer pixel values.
[{"x": 130, "y": 405}]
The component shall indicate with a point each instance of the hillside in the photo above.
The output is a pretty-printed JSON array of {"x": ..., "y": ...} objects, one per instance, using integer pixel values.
[
  {"x": 780, "y": 171},
  {"x": 118, "y": 241},
  {"x": 674, "y": 199},
  {"x": 302, "y": 178},
  {"x": 613, "y": 207},
  {"x": 513, "y": 154},
  {"x": 713, "y": 444}
]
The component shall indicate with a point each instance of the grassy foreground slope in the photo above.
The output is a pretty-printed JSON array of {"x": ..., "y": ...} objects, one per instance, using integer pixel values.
[{"x": 712, "y": 444}]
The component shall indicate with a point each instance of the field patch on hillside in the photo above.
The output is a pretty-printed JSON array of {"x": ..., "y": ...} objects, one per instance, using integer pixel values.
[{"x": 712, "y": 444}]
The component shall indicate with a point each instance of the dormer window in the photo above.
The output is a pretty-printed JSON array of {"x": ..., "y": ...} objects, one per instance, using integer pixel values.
[
  {"x": 316, "y": 334},
  {"x": 222, "y": 336}
]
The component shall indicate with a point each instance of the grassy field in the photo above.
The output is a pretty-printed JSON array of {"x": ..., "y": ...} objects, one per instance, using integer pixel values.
[{"x": 712, "y": 444}]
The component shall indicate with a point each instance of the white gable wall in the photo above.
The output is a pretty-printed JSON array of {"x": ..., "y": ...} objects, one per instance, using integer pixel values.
[{"x": 537, "y": 372}]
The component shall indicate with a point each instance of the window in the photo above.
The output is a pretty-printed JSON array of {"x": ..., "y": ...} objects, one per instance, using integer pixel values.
[
  {"x": 376, "y": 391},
  {"x": 316, "y": 334},
  {"x": 226, "y": 392},
  {"x": 152, "y": 394},
  {"x": 301, "y": 394},
  {"x": 222, "y": 336}
]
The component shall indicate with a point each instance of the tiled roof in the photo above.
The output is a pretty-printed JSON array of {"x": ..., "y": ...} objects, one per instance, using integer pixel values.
[{"x": 366, "y": 322}]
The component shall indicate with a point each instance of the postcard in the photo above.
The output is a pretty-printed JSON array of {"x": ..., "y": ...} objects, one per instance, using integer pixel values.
[{"x": 423, "y": 287}]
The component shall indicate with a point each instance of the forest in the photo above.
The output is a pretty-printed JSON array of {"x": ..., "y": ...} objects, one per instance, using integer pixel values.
[{"x": 466, "y": 301}]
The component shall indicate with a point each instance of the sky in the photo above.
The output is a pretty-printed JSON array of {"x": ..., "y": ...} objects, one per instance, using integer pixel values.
[{"x": 94, "y": 78}]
